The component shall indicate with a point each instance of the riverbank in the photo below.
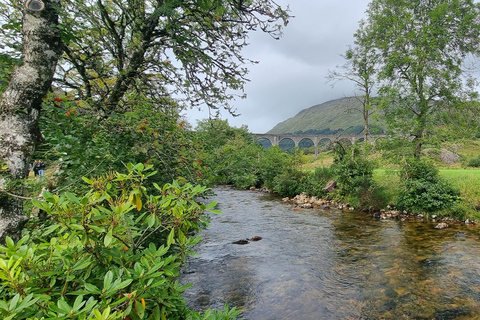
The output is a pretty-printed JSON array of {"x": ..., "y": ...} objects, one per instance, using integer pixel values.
[
  {"x": 302, "y": 201},
  {"x": 462, "y": 178}
]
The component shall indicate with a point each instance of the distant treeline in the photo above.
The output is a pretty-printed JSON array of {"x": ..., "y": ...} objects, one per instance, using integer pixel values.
[{"x": 349, "y": 130}]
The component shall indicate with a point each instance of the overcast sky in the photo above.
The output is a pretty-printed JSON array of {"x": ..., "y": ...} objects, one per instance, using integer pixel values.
[{"x": 291, "y": 73}]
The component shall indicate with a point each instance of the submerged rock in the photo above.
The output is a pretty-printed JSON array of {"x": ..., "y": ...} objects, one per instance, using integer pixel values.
[
  {"x": 441, "y": 225},
  {"x": 246, "y": 241},
  {"x": 242, "y": 241}
]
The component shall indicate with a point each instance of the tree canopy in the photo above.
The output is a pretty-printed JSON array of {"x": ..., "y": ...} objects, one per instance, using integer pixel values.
[
  {"x": 423, "y": 47},
  {"x": 189, "y": 49}
]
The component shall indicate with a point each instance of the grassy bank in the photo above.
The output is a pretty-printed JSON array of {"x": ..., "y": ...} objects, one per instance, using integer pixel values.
[{"x": 467, "y": 181}]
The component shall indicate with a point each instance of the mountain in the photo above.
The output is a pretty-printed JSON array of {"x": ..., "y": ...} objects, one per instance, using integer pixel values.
[{"x": 330, "y": 117}]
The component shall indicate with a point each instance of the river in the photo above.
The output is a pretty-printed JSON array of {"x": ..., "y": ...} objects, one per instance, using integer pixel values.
[{"x": 331, "y": 264}]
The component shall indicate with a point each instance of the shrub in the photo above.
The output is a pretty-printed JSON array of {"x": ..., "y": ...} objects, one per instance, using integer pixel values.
[
  {"x": 475, "y": 162},
  {"x": 289, "y": 183},
  {"x": 273, "y": 163},
  {"x": 424, "y": 190},
  {"x": 353, "y": 171},
  {"x": 316, "y": 181},
  {"x": 95, "y": 259}
]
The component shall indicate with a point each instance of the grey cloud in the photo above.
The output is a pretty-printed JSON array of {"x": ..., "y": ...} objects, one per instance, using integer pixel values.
[{"x": 291, "y": 75}]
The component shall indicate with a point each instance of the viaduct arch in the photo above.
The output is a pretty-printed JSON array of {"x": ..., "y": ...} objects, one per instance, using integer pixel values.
[{"x": 315, "y": 138}]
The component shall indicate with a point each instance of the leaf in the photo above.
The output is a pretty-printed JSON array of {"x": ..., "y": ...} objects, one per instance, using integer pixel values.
[
  {"x": 48, "y": 196},
  {"x": 50, "y": 229},
  {"x": 14, "y": 301},
  {"x": 138, "y": 202},
  {"x": 107, "y": 281},
  {"x": 170, "y": 239},
  {"x": 151, "y": 220},
  {"x": 211, "y": 204},
  {"x": 139, "y": 308},
  {"x": 92, "y": 288},
  {"x": 64, "y": 306},
  {"x": 78, "y": 303},
  {"x": 41, "y": 205},
  {"x": 108, "y": 238},
  {"x": 82, "y": 263},
  {"x": 181, "y": 237},
  {"x": 72, "y": 197},
  {"x": 121, "y": 285},
  {"x": 87, "y": 180}
]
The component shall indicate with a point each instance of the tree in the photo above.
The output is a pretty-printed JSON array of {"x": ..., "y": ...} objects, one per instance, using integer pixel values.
[
  {"x": 360, "y": 68},
  {"x": 116, "y": 49},
  {"x": 190, "y": 49},
  {"x": 20, "y": 106},
  {"x": 423, "y": 46}
]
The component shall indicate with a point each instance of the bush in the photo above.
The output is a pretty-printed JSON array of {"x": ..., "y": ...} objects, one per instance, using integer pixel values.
[
  {"x": 424, "y": 191},
  {"x": 289, "y": 183},
  {"x": 316, "y": 181},
  {"x": 96, "y": 259},
  {"x": 273, "y": 163},
  {"x": 353, "y": 171},
  {"x": 475, "y": 162}
]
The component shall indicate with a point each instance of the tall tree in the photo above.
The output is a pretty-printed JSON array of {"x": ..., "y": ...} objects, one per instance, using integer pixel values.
[
  {"x": 423, "y": 46},
  {"x": 116, "y": 49},
  {"x": 20, "y": 106},
  {"x": 360, "y": 67}
]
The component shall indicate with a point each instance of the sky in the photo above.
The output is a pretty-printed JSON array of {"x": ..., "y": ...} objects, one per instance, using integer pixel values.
[{"x": 291, "y": 73}]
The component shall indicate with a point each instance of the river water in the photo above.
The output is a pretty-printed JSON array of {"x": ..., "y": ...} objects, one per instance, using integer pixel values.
[{"x": 331, "y": 264}]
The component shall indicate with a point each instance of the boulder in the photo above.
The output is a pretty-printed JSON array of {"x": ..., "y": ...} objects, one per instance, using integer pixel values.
[
  {"x": 444, "y": 155},
  {"x": 441, "y": 225},
  {"x": 330, "y": 187}
]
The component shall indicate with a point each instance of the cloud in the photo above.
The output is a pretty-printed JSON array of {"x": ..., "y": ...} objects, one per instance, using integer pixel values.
[{"x": 291, "y": 73}]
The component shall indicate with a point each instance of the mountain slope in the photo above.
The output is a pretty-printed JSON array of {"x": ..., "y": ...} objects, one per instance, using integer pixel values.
[{"x": 327, "y": 118}]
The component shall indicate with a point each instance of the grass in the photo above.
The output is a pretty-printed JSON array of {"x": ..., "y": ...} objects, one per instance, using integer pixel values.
[{"x": 467, "y": 181}]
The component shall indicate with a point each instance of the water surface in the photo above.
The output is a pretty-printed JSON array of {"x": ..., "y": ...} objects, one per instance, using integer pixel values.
[{"x": 331, "y": 264}]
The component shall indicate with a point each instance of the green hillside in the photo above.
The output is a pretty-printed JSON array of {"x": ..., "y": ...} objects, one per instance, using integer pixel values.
[{"x": 327, "y": 118}]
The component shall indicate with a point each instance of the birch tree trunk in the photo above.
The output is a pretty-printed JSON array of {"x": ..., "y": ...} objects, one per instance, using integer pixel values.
[{"x": 20, "y": 107}]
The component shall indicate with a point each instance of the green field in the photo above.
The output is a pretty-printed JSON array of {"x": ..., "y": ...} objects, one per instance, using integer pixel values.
[{"x": 467, "y": 181}]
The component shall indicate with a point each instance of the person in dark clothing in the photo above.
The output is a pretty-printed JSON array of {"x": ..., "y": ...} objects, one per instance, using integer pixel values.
[
  {"x": 41, "y": 168},
  {"x": 35, "y": 167}
]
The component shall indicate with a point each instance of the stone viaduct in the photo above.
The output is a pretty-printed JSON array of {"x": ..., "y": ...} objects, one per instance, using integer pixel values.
[{"x": 315, "y": 138}]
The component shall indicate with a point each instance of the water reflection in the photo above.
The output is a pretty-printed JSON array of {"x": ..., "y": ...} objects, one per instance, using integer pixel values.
[{"x": 329, "y": 264}]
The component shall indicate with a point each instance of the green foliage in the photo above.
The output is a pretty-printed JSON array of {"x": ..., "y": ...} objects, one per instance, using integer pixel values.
[
  {"x": 315, "y": 181},
  {"x": 352, "y": 169},
  {"x": 424, "y": 190},
  {"x": 293, "y": 181},
  {"x": 274, "y": 162},
  {"x": 112, "y": 253},
  {"x": 475, "y": 162},
  {"x": 423, "y": 46},
  {"x": 289, "y": 183},
  {"x": 237, "y": 162},
  {"x": 215, "y": 133},
  {"x": 113, "y": 48},
  {"x": 235, "y": 157},
  {"x": 144, "y": 133}
]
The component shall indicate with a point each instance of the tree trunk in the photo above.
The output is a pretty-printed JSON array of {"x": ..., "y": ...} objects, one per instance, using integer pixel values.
[{"x": 20, "y": 107}]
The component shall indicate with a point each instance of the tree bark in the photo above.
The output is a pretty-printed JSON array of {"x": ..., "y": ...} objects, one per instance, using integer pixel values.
[{"x": 20, "y": 107}]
